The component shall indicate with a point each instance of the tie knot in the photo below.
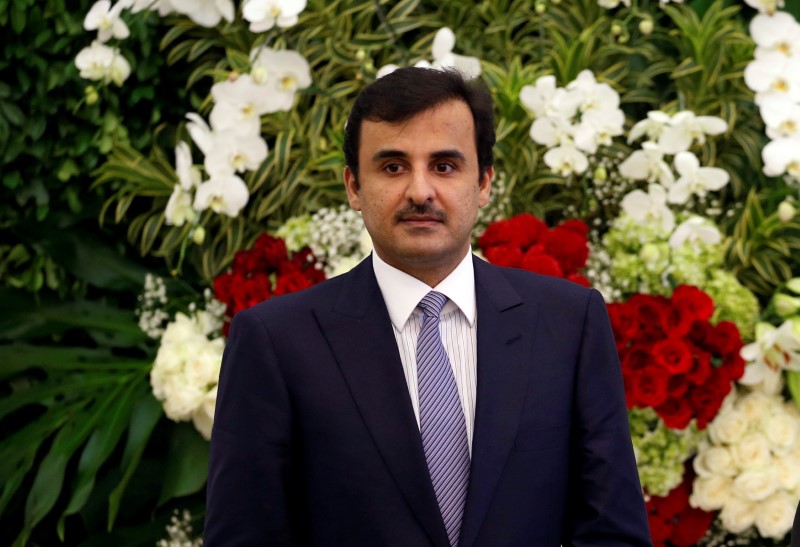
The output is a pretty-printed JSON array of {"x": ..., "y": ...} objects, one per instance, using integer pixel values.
[{"x": 432, "y": 304}]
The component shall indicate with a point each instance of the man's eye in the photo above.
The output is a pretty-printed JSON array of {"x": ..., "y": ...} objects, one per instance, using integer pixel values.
[
  {"x": 392, "y": 167},
  {"x": 443, "y": 167}
]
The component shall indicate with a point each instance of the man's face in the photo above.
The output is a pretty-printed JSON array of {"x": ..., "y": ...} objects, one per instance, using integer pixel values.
[{"x": 419, "y": 188}]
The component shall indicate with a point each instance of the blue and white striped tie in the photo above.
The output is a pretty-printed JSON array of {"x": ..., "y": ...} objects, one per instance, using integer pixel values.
[{"x": 444, "y": 433}]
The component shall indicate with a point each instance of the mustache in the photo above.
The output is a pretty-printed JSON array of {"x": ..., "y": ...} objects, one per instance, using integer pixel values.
[{"x": 416, "y": 210}]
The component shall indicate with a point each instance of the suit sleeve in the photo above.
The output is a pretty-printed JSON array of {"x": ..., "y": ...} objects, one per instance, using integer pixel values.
[
  {"x": 250, "y": 467},
  {"x": 606, "y": 505}
]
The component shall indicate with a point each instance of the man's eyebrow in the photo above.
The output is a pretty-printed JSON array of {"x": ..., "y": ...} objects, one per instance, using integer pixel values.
[
  {"x": 389, "y": 154},
  {"x": 449, "y": 154}
]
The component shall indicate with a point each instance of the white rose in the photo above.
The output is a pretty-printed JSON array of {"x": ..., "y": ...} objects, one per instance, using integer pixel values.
[
  {"x": 710, "y": 493},
  {"x": 203, "y": 417},
  {"x": 788, "y": 471},
  {"x": 754, "y": 405},
  {"x": 728, "y": 427},
  {"x": 738, "y": 515},
  {"x": 202, "y": 368},
  {"x": 780, "y": 429},
  {"x": 755, "y": 485},
  {"x": 715, "y": 460},
  {"x": 775, "y": 515},
  {"x": 182, "y": 398},
  {"x": 752, "y": 452}
]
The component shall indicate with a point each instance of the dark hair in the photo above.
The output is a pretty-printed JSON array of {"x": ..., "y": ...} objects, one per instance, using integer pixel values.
[{"x": 401, "y": 95}]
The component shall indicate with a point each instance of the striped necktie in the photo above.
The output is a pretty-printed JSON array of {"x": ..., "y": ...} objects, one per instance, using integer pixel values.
[{"x": 444, "y": 433}]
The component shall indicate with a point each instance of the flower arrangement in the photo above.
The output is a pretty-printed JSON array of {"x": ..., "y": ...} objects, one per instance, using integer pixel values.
[
  {"x": 526, "y": 242},
  {"x": 673, "y": 520},
  {"x": 748, "y": 466},
  {"x": 673, "y": 359},
  {"x": 265, "y": 270}
]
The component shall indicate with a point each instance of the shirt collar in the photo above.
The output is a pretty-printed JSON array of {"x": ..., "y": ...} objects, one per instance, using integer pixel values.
[{"x": 402, "y": 292}]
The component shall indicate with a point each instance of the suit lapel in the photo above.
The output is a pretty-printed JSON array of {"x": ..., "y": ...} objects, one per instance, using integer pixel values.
[
  {"x": 503, "y": 366},
  {"x": 360, "y": 335}
]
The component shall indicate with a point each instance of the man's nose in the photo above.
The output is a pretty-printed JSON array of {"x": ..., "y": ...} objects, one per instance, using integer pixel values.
[{"x": 420, "y": 187}]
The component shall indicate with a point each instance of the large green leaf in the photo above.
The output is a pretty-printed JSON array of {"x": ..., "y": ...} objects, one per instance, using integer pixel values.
[{"x": 187, "y": 463}]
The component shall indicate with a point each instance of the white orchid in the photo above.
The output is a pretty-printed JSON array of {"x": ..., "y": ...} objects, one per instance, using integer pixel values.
[
  {"x": 443, "y": 57},
  {"x": 223, "y": 194},
  {"x": 695, "y": 230},
  {"x": 103, "y": 63},
  {"x": 782, "y": 118},
  {"x": 648, "y": 164},
  {"x": 775, "y": 350},
  {"x": 163, "y": 7},
  {"x": 265, "y": 14},
  {"x": 179, "y": 207},
  {"x": 765, "y": 6},
  {"x": 278, "y": 75},
  {"x": 597, "y": 127},
  {"x": 105, "y": 19},
  {"x": 649, "y": 207},
  {"x": 611, "y": 4},
  {"x": 206, "y": 13},
  {"x": 188, "y": 177},
  {"x": 566, "y": 159},
  {"x": 591, "y": 95},
  {"x": 685, "y": 128},
  {"x": 774, "y": 75},
  {"x": 652, "y": 126},
  {"x": 782, "y": 156},
  {"x": 551, "y": 131},
  {"x": 695, "y": 180},
  {"x": 537, "y": 97},
  {"x": 239, "y": 104},
  {"x": 777, "y": 32},
  {"x": 234, "y": 152}
]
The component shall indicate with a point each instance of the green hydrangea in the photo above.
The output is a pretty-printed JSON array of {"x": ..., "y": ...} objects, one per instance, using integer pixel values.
[
  {"x": 296, "y": 231},
  {"x": 734, "y": 302},
  {"x": 660, "y": 451},
  {"x": 692, "y": 263}
]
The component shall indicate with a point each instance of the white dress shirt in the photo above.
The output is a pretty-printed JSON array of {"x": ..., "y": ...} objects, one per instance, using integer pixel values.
[{"x": 457, "y": 327}]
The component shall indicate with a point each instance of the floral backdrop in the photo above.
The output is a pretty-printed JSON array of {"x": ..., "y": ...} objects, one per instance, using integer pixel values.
[{"x": 169, "y": 163}]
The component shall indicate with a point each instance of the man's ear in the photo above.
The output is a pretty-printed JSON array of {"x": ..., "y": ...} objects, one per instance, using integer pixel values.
[
  {"x": 351, "y": 185},
  {"x": 485, "y": 186}
]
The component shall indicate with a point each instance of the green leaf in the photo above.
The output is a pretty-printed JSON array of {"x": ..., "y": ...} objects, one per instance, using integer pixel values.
[
  {"x": 187, "y": 463},
  {"x": 100, "y": 446},
  {"x": 145, "y": 416}
]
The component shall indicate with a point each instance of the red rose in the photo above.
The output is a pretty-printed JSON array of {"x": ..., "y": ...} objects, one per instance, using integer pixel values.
[
  {"x": 660, "y": 530},
  {"x": 701, "y": 366},
  {"x": 624, "y": 321},
  {"x": 704, "y": 335},
  {"x": 677, "y": 386},
  {"x": 728, "y": 337},
  {"x": 291, "y": 282},
  {"x": 650, "y": 386},
  {"x": 705, "y": 400},
  {"x": 692, "y": 526},
  {"x": 577, "y": 226},
  {"x": 569, "y": 248},
  {"x": 672, "y": 354},
  {"x": 496, "y": 233},
  {"x": 526, "y": 229},
  {"x": 695, "y": 300},
  {"x": 544, "y": 264},
  {"x": 650, "y": 311},
  {"x": 223, "y": 289},
  {"x": 732, "y": 367},
  {"x": 251, "y": 291},
  {"x": 676, "y": 413},
  {"x": 247, "y": 262},
  {"x": 273, "y": 250},
  {"x": 678, "y": 320},
  {"x": 636, "y": 358},
  {"x": 674, "y": 502},
  {"x": 504, "y": 255}
]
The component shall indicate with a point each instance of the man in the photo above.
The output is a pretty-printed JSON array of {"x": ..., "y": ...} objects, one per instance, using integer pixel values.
[{"x": 426, "y": 397}]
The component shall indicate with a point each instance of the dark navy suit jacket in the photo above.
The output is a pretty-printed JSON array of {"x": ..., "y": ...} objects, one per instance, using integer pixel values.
[{"x": 315, "y": 440}]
